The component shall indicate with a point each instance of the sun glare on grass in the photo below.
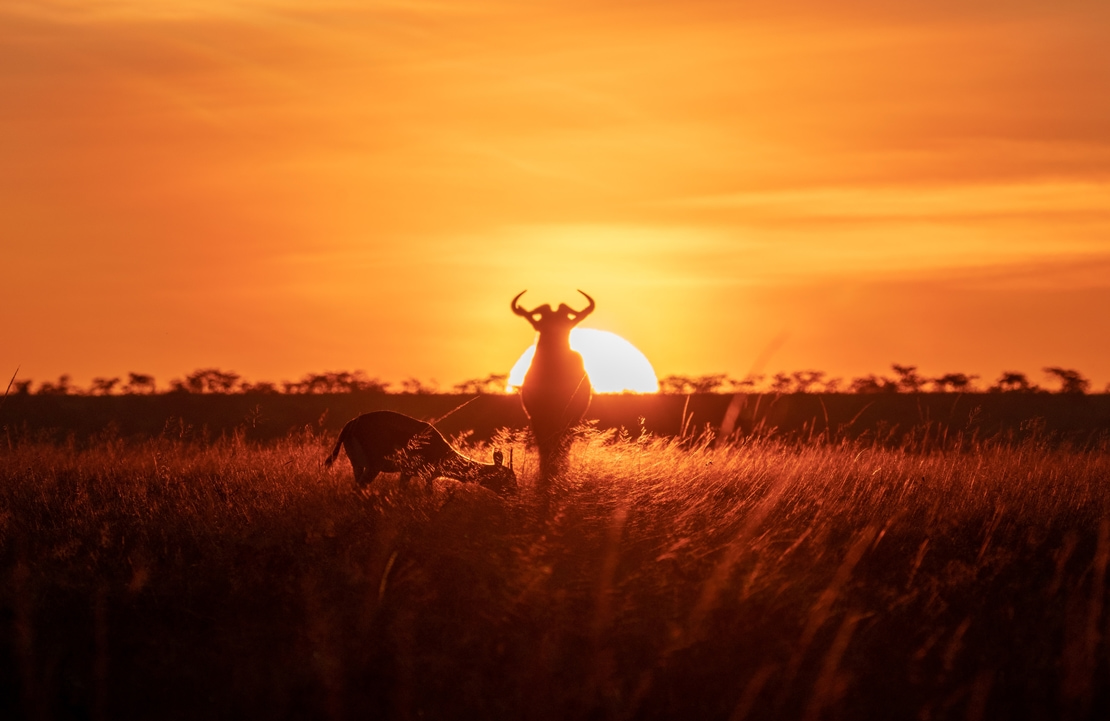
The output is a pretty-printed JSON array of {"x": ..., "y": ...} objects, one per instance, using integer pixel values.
[{"x": 613, "y": 364}]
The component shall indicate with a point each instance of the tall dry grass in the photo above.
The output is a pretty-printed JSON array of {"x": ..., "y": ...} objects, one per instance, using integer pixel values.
[{"x": 662, "y": 579}]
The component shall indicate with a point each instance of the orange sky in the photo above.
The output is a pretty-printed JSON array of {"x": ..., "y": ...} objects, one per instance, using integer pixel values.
[{"x": 276, "y": 187}]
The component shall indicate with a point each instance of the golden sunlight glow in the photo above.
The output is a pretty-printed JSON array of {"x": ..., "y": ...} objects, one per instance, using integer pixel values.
[
  {"x": 879, "y": 182},
  {"x": 613, "y": 364}
]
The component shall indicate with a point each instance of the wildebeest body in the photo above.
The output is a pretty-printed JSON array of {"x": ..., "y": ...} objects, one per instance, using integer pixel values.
[
  {"x": 390, "y": 442},
  {"x": 555, "y": 394},
  {"x": 556, "y": 390}
]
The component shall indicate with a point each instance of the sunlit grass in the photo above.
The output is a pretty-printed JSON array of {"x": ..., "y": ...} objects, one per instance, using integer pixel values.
[{"x": 662, "y": 578}]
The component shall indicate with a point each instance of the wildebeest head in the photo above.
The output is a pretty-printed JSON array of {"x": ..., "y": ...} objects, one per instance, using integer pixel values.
[{"x": 553, "y": 323}]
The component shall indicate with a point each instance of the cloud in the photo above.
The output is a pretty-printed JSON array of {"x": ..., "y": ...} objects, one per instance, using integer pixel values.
[{"x": 972, "y": 203}]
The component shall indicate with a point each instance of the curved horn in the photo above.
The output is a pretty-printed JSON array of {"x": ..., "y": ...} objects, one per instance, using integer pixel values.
[
  {"x": 587, "y": 310},
  {"x": 516, "y": 308}
]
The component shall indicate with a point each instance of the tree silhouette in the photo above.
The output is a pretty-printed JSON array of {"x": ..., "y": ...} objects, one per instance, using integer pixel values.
[
  {"x": 747, "y": 385},
  {"x": 207, "y": 380},
  {"x": 359, "y": 381},
  {"x": 259, "y": 387},
  {"x": 336, "y": 382},
  {"x": 960, "y": 382},
  {"x": 710, "y": 383},
  {"x": 781, "y": 383},
  {"x": 139, "y": 383},
  {"x": 908, "y": 380},
  {"x": 293, "y": 387},
  {"x": 103, "y": 386},
  {"x": 1071, "y": 381},
  {"x": 804, "y": 381},
  {"x": 323, "y": 383},
  {"x": 416, "y": 387},
  {"x": 61, "y": 388},
  {"x": 684, "y": 385},
  {"x": 494, "y": 383},
  {"x": 873, "y": 384},
  {"x": 675, "y": 384},
  {"x": 1012, "y": 382}
]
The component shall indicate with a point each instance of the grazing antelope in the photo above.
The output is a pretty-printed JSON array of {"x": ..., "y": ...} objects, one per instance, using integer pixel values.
[
  {"x": 396, "y": 443},
  {"x": 556, "y": 390}
]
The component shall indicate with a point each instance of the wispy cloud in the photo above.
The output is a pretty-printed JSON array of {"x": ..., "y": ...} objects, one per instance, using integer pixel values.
[{"x": 910, "y": 201}]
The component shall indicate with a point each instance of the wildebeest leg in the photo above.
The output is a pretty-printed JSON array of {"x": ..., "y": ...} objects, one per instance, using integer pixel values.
[
  {"x": 553, "y": 446},
  {"x": 553, "y": 440},
  {"x": 554, "y": 456}
]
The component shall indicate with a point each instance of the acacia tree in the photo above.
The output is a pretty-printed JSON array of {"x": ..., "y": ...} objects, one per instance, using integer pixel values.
[
  {"x": 415, "y": 386},
  {"x": 746, "y": 385},
  {"x": 781, "y": 383},
  {"x": 103, "y": 386},
  {"x": 139, "y": 383},
  {"x": 908, "y": 379},
  {"x": 208, "y": 380},
  {"x": 804, "y": 381},
  {"x": 675, "y": 384},
  {"x": 684, "y": 385},
  {"x": 1012, "y": 382},
  {"x": 1071, "y": 381},
  {"x": 259, "y": 387},
  {"x": 873, "y": 384},
  {"x": 60, "y": 388},
  {"x": 959, "y": 382},
  {"x": 336, "y": 382},
  {"x": 493, "y": 383}
]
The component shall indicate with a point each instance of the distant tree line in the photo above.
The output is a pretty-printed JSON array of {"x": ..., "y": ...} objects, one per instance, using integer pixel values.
[
  {"x": 216, "y": 381},
  {"x": 905, "y": 379}
]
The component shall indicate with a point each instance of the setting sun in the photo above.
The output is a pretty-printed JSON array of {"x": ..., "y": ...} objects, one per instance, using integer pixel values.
[{"x": 613, "y": 364}]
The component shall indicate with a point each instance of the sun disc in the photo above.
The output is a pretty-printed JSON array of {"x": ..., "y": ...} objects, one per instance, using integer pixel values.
[{"x": 613, "y": 364}]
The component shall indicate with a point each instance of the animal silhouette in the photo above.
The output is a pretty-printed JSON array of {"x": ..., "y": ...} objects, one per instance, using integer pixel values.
[
  {"x": 556, "y": 390},
  {"x": 385, "y": 441}
]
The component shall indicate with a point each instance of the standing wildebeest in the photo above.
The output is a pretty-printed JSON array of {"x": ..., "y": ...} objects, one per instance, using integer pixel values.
[
  {"x": 556, "y": 390},
  {"x": 396, "y": 443}
]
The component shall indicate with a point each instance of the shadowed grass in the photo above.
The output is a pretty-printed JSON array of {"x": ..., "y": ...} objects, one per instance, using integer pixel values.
[{"x": 662, "y": 579}]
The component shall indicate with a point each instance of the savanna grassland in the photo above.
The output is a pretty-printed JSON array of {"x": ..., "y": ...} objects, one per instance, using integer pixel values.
[{"x": 663, "y": 579}]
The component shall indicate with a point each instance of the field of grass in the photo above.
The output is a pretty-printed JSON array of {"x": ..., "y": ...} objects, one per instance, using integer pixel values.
[{"x": 663, "y": 579}]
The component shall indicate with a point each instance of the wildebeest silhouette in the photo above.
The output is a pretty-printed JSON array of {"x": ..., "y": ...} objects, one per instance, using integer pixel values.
[
  {"x": 556, "y": 390},
  {"x": 385, "y": 441}
]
